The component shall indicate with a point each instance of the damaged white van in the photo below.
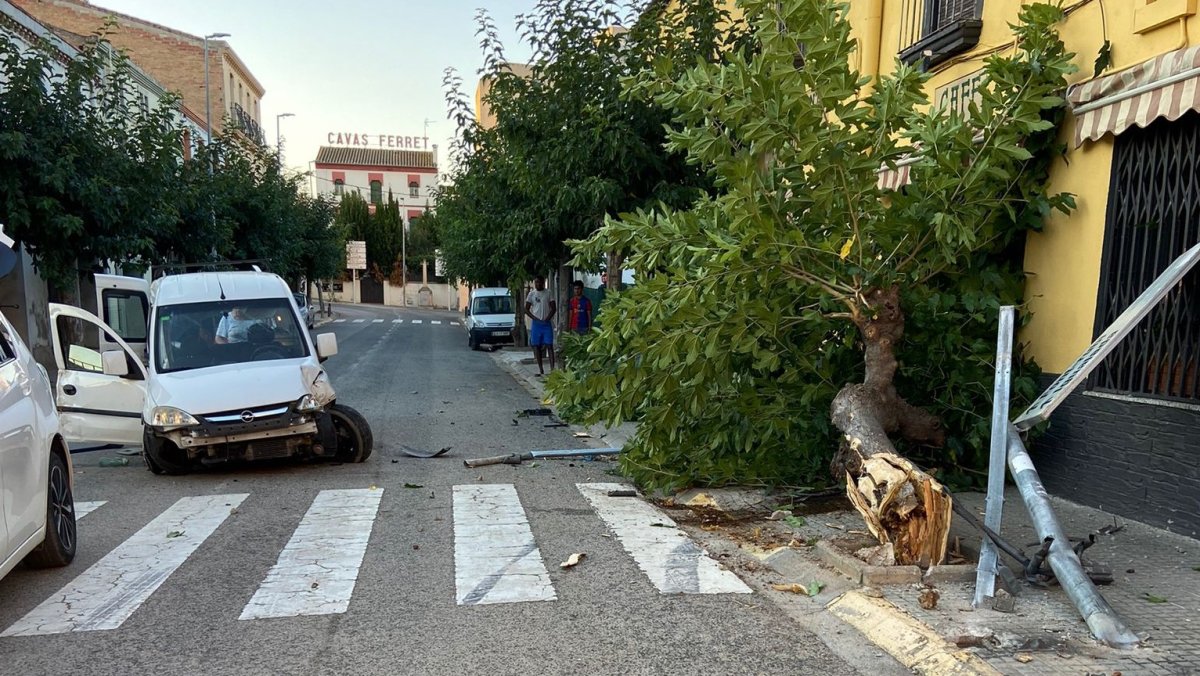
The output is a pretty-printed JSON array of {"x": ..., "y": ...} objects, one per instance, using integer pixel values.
[{"x": 230, "y": 373}]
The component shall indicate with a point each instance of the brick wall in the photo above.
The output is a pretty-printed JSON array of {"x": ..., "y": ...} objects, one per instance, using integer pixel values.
[
  {"x": 1138, "y": 460},
  {"x": 175, "y": 60}
]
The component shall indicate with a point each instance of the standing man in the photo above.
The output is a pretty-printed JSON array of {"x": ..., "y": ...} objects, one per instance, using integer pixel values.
[
  {"x": 580, "y": 307},
  {"x": 540, "y": 307}
]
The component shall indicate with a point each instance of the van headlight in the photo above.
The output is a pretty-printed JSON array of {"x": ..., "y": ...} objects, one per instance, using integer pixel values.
[
  {"x": 169, "y": 418},
  {"x": 307, "y": 404}
]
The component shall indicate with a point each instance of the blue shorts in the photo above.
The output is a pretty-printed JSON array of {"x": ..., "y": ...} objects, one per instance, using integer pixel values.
[{"x": 541, "y": 333}]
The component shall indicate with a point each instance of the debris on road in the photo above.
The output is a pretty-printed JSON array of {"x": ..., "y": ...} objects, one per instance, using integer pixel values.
[
  {"x": 929, "y": 598},
  {"x": 812, "y": 589},
  {"x": 408, "y": 485},
  {"x": 779, "y": 514},
  {"x": 419, "y": 453},
  {"x": 582, "y": 435},
  {"x": 622, "y": 493},
  {"x": 572, "y": 560},
  {"x": 518, "y": 458},
  {"x": 114, "y": 462},
  {"x": 1024, "y": 658},
  {"x": 175, "y": 534}
]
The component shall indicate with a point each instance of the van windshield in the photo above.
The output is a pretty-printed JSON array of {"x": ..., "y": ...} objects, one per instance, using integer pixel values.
[
  {"x": 492, "y": 305},
  {"x": 197, "y": 335}
]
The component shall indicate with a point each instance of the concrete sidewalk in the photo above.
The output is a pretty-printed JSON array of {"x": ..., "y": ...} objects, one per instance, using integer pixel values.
[{"x": 523, "y": 367}]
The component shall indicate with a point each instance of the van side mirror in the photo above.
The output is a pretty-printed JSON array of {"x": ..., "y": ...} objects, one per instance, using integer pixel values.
[
  {"x": 113, "y": 363},
  {"x": 326, "y": 346}
]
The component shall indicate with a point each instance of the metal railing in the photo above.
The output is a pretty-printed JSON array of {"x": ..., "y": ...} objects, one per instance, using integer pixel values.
[
  {"x": 922, "y": 18},
  {"x": 246, "y": 122}
]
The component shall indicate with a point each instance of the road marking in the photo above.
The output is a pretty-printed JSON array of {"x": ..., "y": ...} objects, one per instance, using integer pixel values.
[
  {"x": 105, "y": 595},
  {"x": 317, "y": 569},
  {"x": 495, "y": 557},
  {"x": 436, "y": 321},
  {"x": 82, "y": 509},
  {"x": 339, "y": 321},
  {"x": 416, "y": 321},
  {"x": 397, "y": 321},
  {"x": 454, "y": 324},
  {"x": 673, "y": 562},
  {"x": 359, "y": 321},
  {"x": 376, "y": 321}
]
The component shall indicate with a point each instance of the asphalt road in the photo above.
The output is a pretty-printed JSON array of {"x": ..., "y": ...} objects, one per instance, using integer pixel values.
[{"x": 419, "y": 385}]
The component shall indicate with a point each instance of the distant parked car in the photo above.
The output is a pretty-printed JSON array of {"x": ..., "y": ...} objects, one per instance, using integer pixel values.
[
  {"x": 37, "y": 512},
  {"x": 306, "y": 314}
]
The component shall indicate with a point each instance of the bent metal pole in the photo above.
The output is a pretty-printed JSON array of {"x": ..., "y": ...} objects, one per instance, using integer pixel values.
[{"x": 1101, "y": 619}]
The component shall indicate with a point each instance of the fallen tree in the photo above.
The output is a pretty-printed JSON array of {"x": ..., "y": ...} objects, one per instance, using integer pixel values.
[{"x": 757, "y": 305}]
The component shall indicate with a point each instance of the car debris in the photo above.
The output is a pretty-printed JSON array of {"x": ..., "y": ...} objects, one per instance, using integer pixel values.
[
  {"x": 518, "y": 458},
  {"x": 573, "y": 560},
  {"x": 419, "y": 453}
]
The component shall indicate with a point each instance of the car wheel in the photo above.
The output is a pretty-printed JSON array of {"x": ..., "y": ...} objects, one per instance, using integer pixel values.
[
  {"x": 354, "y": 440},
  {"x": 162, "y": 456},
  {"x": 58, "y": 549},
  {"x": 472, "y": 341}
]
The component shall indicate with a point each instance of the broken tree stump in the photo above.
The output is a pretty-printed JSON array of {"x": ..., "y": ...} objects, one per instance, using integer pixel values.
[{"x": 904, "y": 506}]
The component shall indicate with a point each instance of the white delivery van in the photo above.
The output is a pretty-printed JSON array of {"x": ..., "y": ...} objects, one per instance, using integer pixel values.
[
  {"x": 489, "y": 317},
  {"x": 230, "y": 373}
]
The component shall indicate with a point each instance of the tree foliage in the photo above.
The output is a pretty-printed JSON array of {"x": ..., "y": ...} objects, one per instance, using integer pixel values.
[
  {"x": 569, "y": 144},
  {"x": 758, "y": 304},
  {"x": 88, "y": 176}
]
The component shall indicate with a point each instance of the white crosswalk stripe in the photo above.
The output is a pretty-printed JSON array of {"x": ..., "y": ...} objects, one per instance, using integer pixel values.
[
  {"x": 397, "y": 321},
  {"x": 359, "y": 321},
  {"x": 495, "y": 557},
  {"x": 82, "y": 509},
  {"x": 435, "y": 322},
  {"x": 673, "y": 562},
  {"x": 317, "y": 569},
  {"x": 455, "y": 324},
  {"x": 339, "y": 321},
  {"x": 376, "y": 321},
  {"x": 105, "y": 595},
  {"x": 416, "y": 321}
]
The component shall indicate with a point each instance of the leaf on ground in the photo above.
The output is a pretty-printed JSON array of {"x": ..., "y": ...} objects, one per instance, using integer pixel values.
[
  {"x": 572, "y": 560},
  {"x": 1024, "y": 658},
  {"x": 175, "y": 534},
  {"x": 795, "y": 521},
  {"x": 1153, "y": 598},
  {"x": 1196, "y": 568},
  {"x": 407, "y": 485},
  {"x": 815, "y": 588}
]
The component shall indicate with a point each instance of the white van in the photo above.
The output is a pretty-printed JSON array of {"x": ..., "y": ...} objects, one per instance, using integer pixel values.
[
  {"x": 230, "y": 373},
  {"x": 489, "y": 317}
]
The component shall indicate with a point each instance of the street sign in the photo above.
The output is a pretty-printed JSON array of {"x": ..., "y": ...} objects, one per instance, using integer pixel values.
[{"x": 356, "y": 255}]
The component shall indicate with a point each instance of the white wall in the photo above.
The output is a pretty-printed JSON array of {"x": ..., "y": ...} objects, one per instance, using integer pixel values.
[{"x": 395, "y": 180}]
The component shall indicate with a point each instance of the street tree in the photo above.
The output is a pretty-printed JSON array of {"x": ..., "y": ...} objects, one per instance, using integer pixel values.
[
  {"x": 799, "y": 308},
  {"x": 569, "y": 145}
]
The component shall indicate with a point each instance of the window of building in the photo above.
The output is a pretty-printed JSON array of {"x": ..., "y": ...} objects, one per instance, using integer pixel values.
[
  {"x": 339, "y": 186},
  {"x": 1153, "y": 217},
  {"x": 414, "y": 190},
  {"x": 229, "y": 96},
  {"x": 932, "y": 31},
  {"x": 376, "y": 191}
]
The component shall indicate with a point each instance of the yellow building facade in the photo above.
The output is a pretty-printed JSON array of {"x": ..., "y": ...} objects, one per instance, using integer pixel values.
[{"x": 1127, "y": 438}]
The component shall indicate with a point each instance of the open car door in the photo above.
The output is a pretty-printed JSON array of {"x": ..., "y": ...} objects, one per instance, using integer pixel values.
[
  {"x": 124, "y": 305},
  {"x": 99, "y": 393}
]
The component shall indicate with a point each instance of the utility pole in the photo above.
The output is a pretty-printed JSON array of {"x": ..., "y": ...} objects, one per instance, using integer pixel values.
[
  {"x": 279, "y": 148},
  {"x": 208, "y": 91}
]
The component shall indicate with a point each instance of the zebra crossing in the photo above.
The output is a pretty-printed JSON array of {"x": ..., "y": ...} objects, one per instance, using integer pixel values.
[
  {"x": 435, "y": 322},
  {"x": 496, "y": 558}
]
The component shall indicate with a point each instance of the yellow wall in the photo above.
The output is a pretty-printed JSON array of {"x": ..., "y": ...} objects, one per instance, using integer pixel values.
[{"x": 1063, "y": 262}]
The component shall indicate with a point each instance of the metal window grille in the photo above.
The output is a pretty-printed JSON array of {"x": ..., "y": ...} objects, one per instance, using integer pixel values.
[{"x": 1153, "y": 217}]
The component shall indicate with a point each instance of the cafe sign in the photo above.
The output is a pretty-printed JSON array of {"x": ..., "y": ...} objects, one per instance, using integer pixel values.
[{"x": 957, "y": 95}]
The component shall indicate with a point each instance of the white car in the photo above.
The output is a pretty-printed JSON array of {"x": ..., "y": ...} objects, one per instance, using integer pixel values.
[
  {"x": 37, "y": 507},
  {"x": 489, "y": 317},
  {"x": 230, "y": 373}
]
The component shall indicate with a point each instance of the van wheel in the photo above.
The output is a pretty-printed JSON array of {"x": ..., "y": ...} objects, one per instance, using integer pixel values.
[
  {"x": 58, "y": 549},
  {"x": 162, "y": 456},
  {"x": 472, "y": 341},
  {"x": 354, "y": 440}
]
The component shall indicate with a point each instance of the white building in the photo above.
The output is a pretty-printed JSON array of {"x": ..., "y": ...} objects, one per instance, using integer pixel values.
[{"x": 409, "y": 175}]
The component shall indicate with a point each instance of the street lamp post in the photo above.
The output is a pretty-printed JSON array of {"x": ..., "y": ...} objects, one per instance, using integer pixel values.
[
  {"x": 279, "y": 148},
  {"x": 207, "y": 94}
]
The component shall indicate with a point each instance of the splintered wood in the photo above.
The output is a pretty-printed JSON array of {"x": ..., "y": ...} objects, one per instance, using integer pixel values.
[{"x": 903, "y": 506}]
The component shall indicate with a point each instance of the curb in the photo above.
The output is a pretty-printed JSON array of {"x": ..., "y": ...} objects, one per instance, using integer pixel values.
[{"x": 910, "y": 641}]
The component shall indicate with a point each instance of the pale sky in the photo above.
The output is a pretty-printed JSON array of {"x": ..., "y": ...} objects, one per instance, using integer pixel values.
[{"x": 353, "y": 65}]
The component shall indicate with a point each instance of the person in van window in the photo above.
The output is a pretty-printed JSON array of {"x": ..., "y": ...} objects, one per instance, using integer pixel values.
[
  {"x": 580, "y": 306},
  {"x": 235, "y": 327},
  {"x": 540, "y": 307}
]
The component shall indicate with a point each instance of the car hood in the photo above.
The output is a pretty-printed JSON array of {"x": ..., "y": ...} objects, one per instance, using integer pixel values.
[
  {"x": 494, "y": 320},
  {"x": 231, "y": 387}
]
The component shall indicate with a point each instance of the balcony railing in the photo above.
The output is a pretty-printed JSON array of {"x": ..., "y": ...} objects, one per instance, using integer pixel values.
[
  {"x": 249, "y": 126},
  {"x": 932, "y": 31}
]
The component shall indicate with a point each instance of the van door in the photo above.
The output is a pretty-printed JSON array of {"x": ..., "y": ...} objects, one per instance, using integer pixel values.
[
  {"x": 94, "y": 404},
  {"x": 124, "y": 305}
]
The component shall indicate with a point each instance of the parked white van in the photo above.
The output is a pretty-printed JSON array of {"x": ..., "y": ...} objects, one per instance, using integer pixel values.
[
  {"x": 489, "y": 317},
  {"x": 230, "y": 373}
]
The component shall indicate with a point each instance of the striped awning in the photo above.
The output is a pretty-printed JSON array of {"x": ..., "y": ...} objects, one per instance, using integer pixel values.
[
  {"x": 893, "y": 179},
  {"x": 1166, "y": 86}
]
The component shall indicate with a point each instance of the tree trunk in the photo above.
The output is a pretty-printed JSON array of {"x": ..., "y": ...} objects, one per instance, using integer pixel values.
[{"x": 900, "y": 503}]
